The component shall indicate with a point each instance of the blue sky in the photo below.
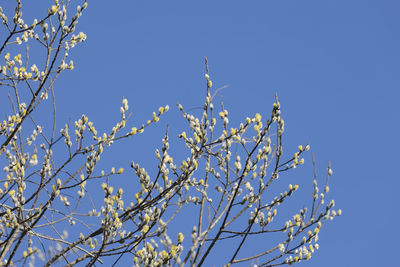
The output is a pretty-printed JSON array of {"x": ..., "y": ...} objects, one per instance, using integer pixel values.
[{"x": 334, "y": 65}]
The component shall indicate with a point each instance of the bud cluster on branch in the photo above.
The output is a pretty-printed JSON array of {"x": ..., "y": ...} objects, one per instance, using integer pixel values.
[{"x": 225, "y": 178}]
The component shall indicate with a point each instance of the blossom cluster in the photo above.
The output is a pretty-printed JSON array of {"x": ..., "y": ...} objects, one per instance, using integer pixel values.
[{"x": 52, "y": 178}]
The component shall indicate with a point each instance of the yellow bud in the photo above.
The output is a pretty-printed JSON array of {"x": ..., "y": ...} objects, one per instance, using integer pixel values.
[
  {"x": 183, "y": 134},
  {"x": 110, "y": 190},
  {"x": 174, "y": 249},
  {"x": 180, "y": 238},
  {"x": 103, "y": 186},
  {"x": 248, "y": 186},
  {"x": 196, "y": 138},
  {"x": 11, "y": 193},
  {"x": 54, "y": 9},
  {"x": 146, "y": 218},
  {"x": 149, "y": 247},
  {"x": 133, "y": 131},
  {"x": 145, "y": 229},
  {"x": 164, "y": 254},
  {"x": 258, "y": 117}
]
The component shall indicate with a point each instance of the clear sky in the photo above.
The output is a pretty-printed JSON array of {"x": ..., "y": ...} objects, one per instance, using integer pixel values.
[{"x": 335, "y": 66}]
